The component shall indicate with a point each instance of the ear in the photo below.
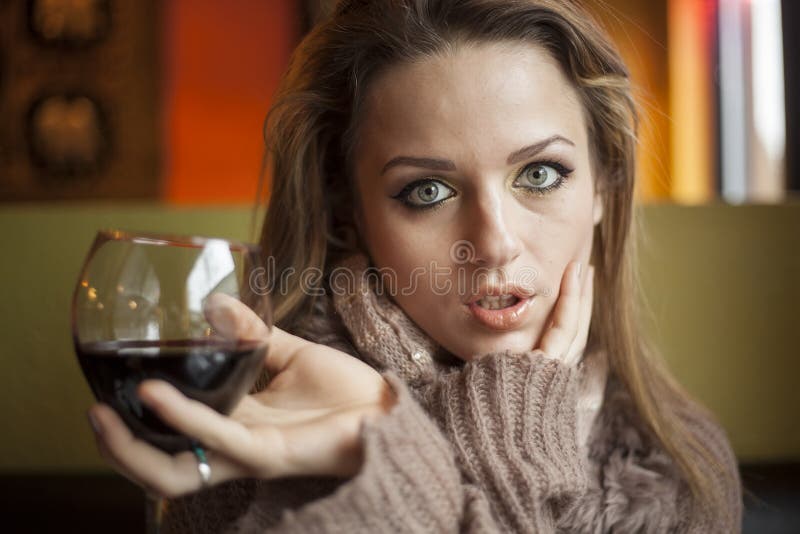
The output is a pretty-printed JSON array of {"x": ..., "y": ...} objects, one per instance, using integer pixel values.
[{"x": 597, "y": 208}]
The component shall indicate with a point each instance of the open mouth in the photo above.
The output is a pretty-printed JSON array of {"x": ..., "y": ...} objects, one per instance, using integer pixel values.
[{"x": 497, "y": 302}]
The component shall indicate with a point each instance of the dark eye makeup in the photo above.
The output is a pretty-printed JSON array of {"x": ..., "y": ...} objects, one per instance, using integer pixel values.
[{"x": 432, "y": 193}]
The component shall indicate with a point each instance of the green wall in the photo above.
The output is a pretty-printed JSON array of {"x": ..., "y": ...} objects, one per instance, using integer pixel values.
[
  {"x": 723, "y": 284},
  {"x": 44, "y": 397}
]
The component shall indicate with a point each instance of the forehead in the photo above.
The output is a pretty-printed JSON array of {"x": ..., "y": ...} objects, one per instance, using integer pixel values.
[{"x": 476, "y": 99}]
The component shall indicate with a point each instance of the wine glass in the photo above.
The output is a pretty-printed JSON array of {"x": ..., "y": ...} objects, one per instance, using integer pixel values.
[{"x": 139, "y": 311}]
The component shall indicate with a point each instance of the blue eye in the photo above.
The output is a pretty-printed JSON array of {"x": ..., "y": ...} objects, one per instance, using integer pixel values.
[
  {"x": 425, "y": 193},
  {"x": 542, "y": 177}
]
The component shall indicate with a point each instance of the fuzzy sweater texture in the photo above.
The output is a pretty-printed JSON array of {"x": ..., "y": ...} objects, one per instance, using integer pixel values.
[{"x": 484, "y": 446}]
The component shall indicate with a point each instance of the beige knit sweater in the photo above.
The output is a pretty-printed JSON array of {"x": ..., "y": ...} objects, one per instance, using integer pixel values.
[{"x": 484, "y": 446}]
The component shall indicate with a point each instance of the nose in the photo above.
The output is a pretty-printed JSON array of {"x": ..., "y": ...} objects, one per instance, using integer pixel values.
[{"x": 493, "y": 233}]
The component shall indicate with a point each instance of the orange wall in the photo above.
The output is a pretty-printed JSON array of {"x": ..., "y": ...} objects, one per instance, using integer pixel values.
[
  {"x": 640, "y": 31},
  {"x": 222, "y": 64},
  {"x": 668, "y": 47},
  {"x": 223, "y": 61}
]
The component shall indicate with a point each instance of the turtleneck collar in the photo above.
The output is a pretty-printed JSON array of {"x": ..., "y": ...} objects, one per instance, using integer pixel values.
[{"x": 382, "y": 332}]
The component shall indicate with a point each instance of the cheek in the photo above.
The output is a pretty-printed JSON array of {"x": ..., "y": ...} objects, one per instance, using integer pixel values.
[
  {"x": 555, "y": 236},
  {"x": 391, "y": 246},
  {"x": 375, "y": 229},
  {"x": 397, "y": 241},
  {"x": 385, "y": 241}
]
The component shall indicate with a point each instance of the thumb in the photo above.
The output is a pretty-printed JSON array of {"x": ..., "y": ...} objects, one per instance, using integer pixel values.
[{"x": 232, "y": 319}]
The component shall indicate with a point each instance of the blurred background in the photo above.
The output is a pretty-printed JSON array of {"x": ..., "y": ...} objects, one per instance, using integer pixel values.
[{"x": 147, "y": 115}]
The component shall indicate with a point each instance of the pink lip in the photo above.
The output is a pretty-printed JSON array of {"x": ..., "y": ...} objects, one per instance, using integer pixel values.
[{"x": 503, "y": 319}]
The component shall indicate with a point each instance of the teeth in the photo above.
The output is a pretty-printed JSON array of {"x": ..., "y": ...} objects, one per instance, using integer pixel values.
[{"x": 493, "y": 302}]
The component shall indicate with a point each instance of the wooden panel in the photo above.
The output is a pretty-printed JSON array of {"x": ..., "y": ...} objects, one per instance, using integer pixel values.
[{"x": 118, "y": 72}]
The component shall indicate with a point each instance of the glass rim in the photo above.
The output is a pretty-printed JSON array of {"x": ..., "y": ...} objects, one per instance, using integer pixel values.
[
  {"x": 103, "y": 236},
  {"x": 170, "y": 239}
]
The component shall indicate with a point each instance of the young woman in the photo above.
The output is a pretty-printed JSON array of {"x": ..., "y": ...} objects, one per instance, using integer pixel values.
[{"x": 479, "y": 156}]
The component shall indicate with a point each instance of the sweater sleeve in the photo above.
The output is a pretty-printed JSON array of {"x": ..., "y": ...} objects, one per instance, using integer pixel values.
[
  {"x": 488, "y": 447},
  {"x": 512, "y": 421},
  {"x": 409, "y": 482},
  {"x": 494, "y": 449}
]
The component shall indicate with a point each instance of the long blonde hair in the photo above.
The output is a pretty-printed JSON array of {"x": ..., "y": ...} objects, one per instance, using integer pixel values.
[{"x": 311, "y": 132}]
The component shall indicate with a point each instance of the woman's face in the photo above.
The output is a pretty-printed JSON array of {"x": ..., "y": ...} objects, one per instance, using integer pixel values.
[{"x": 474, "y": 178}]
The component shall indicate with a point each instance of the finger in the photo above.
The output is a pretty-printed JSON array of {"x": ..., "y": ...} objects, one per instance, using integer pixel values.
[
  {"x": 103, "y": 449},
  {"x": 109, "y": 458},
  {"x": 263, "y": 451},
  {"x": 257, "y": 453},
  {"x": 559, "y": 335},
  {"x": 233, "y": 319},
  {"x": 576, "y": 349},
  {"x": 197, "y": 420},
  {"x": 151, "y": 468}
]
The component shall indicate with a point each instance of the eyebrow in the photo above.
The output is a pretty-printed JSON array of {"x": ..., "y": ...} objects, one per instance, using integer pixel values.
[{"x": 447, "y": 165}]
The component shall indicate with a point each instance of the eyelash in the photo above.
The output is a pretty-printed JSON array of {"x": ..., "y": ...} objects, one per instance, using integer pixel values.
[
  {"x": 562, "y": 170},
  {"x": 402, "y": 196},
  {"x": 563, "y": 174}
]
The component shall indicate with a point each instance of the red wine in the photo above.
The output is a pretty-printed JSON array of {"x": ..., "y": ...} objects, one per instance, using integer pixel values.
[{"x": 216, "y": 373}]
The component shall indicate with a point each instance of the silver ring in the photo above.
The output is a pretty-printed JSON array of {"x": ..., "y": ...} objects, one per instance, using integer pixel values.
[{"x": 202, "y": 465}]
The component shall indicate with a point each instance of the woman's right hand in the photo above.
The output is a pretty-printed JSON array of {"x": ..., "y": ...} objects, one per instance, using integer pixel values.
[{"x": 306, "y": 422}]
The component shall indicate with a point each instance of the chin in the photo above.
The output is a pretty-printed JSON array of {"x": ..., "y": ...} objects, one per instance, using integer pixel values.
[{"x": 514, "y": 342}]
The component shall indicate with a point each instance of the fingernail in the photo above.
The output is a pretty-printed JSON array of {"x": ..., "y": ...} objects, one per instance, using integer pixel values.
[
  {"x": 94, "y": 423},
  {"x": 578, "y": 271}
]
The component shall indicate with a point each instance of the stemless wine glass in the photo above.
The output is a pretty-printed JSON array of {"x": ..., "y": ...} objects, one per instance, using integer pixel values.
[{"x": 140, "y": 310}]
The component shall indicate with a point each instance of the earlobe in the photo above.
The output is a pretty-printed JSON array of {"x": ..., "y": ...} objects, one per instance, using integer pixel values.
[{"x": 597, "y": 209}]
